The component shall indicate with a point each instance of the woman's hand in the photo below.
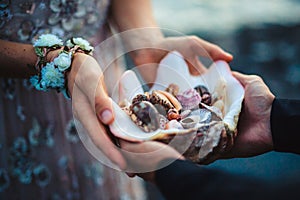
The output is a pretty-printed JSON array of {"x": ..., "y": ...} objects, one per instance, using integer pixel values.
[
  {"x": 91, "y": 104},
  {"x": 254, "y": 132},
  {"x": 145, "y": 158},
  {"x": 191, "y": 47}
]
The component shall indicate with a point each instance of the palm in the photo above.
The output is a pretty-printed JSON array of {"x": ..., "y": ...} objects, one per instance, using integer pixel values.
[{"x": 254, "y": 136}]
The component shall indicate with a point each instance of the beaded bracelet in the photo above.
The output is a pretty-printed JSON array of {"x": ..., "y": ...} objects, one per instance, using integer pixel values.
[{"x": 52, "y": 75}]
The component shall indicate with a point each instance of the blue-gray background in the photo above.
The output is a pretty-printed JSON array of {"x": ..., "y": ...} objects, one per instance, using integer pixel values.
[{"x": 264, "y": 37}]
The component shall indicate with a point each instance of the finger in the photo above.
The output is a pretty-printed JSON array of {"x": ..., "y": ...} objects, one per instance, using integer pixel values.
[
  {"x": 242, "y": 78},
  {"x": 85, "y": 114},
  {"x": 214, "y": 51},
  {"x": 196, "y": 67},
  {"x": 103, "y": 104},
  {"x": 90, "y": 81}
]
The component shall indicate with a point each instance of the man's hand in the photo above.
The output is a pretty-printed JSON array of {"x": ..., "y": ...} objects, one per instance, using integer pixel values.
[{"x": 254, "y": 132}]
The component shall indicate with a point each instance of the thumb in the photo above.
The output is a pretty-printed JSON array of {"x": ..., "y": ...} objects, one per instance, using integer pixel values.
[
  {"x": 214, "y": 51},
  {"x": 103, "y": 104},
  {"x": 242, "y": 78}
]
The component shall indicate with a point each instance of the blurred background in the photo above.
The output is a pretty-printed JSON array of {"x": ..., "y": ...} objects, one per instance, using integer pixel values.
[{"x": 264, "y": 37}]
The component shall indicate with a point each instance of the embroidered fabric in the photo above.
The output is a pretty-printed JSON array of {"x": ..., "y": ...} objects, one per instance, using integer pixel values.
[{"x": 41, "y": 155}]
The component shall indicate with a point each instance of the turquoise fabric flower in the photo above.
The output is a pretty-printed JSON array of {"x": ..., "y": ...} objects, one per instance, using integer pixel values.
[
  {"x": 63, "y": 61},
  {"x": 82, "y": 43},
  {"x": 52, "y": 77},
  {"x": 34, "y": 80},
  {"x": 48, "y": 40}
]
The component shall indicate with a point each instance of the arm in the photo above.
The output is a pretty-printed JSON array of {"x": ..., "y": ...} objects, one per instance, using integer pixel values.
[
  {"x": 285, "y": 118},
  {"x": 185, "y": 180},
  {"x": 91, "y": 104},
  {"x": 180, "y": 179},
  {"x": 17, "y": 60},
  {"x": 146, "y": 43}
]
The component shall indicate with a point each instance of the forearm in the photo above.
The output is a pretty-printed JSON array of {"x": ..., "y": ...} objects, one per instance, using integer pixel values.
[
  {"x": 136, "y": 14},
  {"x": 17, "y": 60}
]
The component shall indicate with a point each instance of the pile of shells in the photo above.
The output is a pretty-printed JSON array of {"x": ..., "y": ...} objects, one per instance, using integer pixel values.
[{"x": 197, "y": 114}]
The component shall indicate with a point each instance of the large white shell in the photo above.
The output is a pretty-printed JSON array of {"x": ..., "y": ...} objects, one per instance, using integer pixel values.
[{"x": 173, "y": 69}]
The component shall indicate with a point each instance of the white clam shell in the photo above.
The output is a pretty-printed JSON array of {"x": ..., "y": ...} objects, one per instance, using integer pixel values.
[
  {"x": 173, "y": 69},
  {"x": 190, "y": 122}
]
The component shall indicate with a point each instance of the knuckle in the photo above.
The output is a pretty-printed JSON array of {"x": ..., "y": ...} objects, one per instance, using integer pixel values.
[
  {"x": 193, "y": 40},
  {"x": 256, "y": 78}
]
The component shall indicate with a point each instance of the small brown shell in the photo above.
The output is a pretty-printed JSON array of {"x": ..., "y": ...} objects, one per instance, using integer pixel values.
[
  {"x": 173, "y": 89},
  {"x": 172, "y": 99},
  {"x": 158, "y": 98}
]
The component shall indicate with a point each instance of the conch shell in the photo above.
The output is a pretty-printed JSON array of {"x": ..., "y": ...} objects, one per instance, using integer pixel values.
[{"x": 200, "y": 140}]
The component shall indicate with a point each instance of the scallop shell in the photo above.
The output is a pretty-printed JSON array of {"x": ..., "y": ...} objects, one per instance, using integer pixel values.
[{"x": 204, "y": 142}]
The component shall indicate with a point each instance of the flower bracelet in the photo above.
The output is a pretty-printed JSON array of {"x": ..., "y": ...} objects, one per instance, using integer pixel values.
[{"x": 52, "y": 75}]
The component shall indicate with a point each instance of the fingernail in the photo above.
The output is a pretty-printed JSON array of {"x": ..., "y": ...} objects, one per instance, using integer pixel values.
[
  {"x": 106, "y": 116},
  {"x": 228, "y": 54}
]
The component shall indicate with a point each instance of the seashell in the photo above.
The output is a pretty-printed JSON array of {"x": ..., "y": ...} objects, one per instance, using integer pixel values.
[
  {"x": 139, "y": 98},
  {"x": 161, "y": 99},
  {"x": 172, "y": 99},
  {"x": 174, "y": 124},
  {"x": 201, "y": 89},
  {"x": 190, "y": 122},
  {"x": 173, "y": 114},
  {"x": 185, "y": 113},
  {"x": 189, "y": 99},
  {"x": 162, "y": 122},
  {"x": 173, "y": 89},
  {"x": 204, "y": 115},
  {"x": 129, "y": 87},
  {"x": 204, "y": 93},
  {"x": 145, "y": 115},
  {"x": 206, "y": 99},
  {"x": 220, "y": 105},
  {"x": 215, "y": 131}
]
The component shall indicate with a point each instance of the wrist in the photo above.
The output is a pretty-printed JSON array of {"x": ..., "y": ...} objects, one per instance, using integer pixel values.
[
  {"x": 55, "y": 60},
  {"x": 51, "y": 55},
  {"x": 266, "y": 125},
  {"x": 145, "y": 39},
  {"x": 84, "y": 67}
]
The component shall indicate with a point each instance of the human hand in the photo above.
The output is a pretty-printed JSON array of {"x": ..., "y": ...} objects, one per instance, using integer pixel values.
[
  {"x": 254, "y": 132},
  {"x": 144, "y": 158},
  {"x": 91, "y": 104},
  {"x": 191, "y": 47}
]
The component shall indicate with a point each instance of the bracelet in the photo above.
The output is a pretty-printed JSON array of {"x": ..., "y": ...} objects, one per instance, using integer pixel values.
[{"x": 52, "y": 75}]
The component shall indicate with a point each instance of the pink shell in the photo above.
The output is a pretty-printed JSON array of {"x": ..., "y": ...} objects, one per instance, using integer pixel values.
[{"x": 189, "y": 99}]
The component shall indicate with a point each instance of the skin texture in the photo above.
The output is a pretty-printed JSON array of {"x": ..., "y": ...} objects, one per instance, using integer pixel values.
[
  {"x": 127, "y": 15},
  {"x": 151, "y": 46},
  {"x": 254, "y": 132}
]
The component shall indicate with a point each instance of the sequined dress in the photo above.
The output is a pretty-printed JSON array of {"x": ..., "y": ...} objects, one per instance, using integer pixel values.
[{"x": 41, "y": 155}]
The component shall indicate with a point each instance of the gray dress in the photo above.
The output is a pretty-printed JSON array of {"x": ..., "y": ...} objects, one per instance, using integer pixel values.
[{"x": 41, "y": 155}]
